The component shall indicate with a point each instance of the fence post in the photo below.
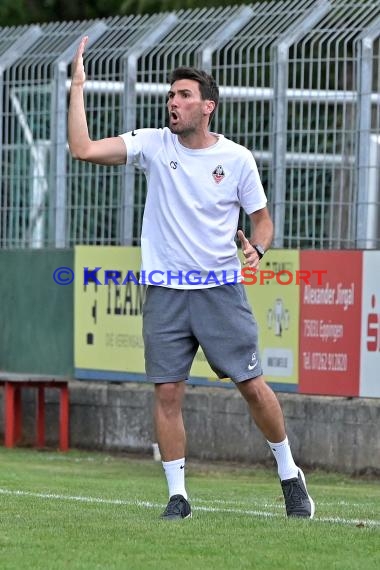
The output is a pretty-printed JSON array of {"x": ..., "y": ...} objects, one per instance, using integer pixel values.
[
  {"x": 59, "y": 136},
  {"x": 7, "y": 59},
  {"x": 280, "y": 57},
  {"x": 232, "y": 27},
  {"x": 366, "y": 192}
]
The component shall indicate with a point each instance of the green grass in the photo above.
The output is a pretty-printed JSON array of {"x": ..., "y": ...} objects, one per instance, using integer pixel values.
[{"x": 95, "y": 511}]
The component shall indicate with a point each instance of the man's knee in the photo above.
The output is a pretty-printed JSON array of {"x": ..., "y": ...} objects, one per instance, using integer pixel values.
[
  {"x": 169, "y": 395},
  {"x": 256, "y": 390}
]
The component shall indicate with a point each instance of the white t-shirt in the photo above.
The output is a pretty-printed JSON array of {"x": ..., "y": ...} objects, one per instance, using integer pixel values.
[{"x": 192, "y": 207}]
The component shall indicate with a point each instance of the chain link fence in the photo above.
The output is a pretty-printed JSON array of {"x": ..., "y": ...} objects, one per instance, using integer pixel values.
[{"x": 299, "y": 84}]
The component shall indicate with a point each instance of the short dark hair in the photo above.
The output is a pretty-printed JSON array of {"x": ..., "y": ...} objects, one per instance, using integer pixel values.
[{"x": 207, "y": 85}]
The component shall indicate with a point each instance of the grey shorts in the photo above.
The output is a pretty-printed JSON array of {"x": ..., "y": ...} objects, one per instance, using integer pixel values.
[{"x": 219, "y": 319}]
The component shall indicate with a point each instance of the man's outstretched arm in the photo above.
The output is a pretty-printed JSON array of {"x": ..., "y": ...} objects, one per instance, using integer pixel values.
[{"x": 104, "y": 151}]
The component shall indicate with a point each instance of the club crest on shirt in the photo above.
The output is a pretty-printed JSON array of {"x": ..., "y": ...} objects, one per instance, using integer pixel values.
[{"x": 218, "y": 173}]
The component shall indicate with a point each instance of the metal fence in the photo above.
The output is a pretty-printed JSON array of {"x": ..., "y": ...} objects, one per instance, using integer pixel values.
[{"x": 299, "y": 85}]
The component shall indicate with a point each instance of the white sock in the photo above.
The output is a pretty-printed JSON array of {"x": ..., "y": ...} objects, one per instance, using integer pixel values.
[
  {"x": 175, "y": 477},
  {"x": 286, "y": 467}
]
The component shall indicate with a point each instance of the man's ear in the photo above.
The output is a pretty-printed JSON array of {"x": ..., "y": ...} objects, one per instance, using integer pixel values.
[{"x": 210, "y": 106}]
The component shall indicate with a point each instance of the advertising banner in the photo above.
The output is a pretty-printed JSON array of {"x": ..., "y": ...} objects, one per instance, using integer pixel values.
[
  {"x": 370, "y": 336},
  {"x": 330, "y": 322},
  {"x": 108, "y": 317}
]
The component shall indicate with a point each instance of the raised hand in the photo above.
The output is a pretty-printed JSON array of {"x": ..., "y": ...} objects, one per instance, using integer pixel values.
[
  {"x": 251, "y": 256},
  {"x": 78, "y": 73}
]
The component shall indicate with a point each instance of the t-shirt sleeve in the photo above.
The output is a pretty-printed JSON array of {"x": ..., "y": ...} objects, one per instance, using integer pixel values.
[
  {"x": 139, "y": 143},
  {"x": 250, "y": 190}
]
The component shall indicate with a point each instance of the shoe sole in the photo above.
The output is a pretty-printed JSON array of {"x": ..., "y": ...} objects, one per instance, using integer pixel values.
[
  {"x": 312, "y": 504},
  {"x": 189, "y": 516}
]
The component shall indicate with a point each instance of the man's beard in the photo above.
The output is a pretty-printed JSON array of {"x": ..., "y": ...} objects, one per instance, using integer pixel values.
[{"x": 182, "y": 130}]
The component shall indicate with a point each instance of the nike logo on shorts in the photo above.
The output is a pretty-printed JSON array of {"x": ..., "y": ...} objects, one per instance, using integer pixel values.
[{"x": 254, "y": 362}]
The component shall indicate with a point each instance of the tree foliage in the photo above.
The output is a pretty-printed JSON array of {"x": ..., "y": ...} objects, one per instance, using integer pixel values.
[{"x": 18, "y": 12}]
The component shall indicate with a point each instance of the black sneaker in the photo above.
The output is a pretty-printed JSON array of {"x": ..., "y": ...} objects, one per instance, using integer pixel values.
[
  {"x": 177, "y": 508},
  {"x": 297, "y": 500}
]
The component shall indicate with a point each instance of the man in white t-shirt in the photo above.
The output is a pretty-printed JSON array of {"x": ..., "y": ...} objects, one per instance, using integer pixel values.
[{"x": 197, "y": 182}]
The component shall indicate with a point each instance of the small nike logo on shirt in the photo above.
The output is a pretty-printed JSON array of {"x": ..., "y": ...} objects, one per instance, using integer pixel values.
[
  {"x": 133, "y": 133},
  {"x": 182, "y": 467},
  {"x": 252, "y": 366}
]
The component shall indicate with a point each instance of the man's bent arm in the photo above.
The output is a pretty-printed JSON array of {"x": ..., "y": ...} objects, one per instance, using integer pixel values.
[
  {"x": 109, "y": 151},
  {"x": 261, "y": 228},
  {"x": 261, "y": 234}
]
